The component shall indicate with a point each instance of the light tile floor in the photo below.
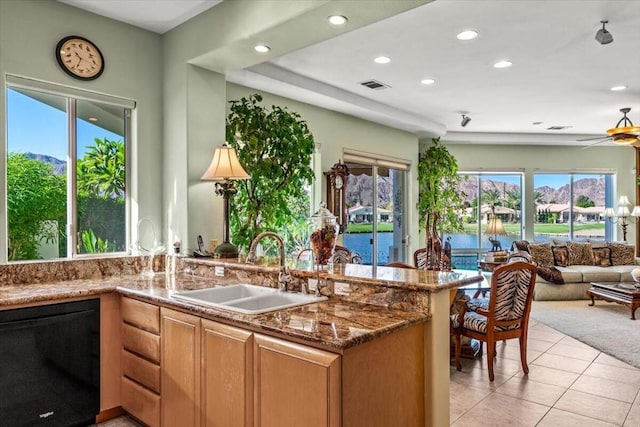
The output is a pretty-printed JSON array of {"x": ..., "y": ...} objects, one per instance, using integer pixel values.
[{"x": 569, "y": 384}]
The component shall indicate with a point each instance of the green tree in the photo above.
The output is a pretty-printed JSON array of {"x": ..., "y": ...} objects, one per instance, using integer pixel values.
[
  {"x": 101, "y": 171},
  {"x": 101, "y": 177},
  {"x": 275, "y": 147},
  {"x": 584, "y": 202},
  {"x": 438, "y": 182},
  {"x": 36, "y": 199},
  {"x": 491, "y": 197}
]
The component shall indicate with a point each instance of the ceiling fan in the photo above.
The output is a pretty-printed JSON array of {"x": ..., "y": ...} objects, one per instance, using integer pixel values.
[{"x": 624, "y": 133}]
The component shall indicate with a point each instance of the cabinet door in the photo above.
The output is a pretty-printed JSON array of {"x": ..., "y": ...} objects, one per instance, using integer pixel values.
[
  {"x": 227, "y": 376},
  {"x": 295, "y": 385},
  {"x": 180, "y": 369}
]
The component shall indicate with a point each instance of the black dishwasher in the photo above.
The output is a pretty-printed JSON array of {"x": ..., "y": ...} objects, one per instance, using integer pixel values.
[{"x": 50, "y": 365}]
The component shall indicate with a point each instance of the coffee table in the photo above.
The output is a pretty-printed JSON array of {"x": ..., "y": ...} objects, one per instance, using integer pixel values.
[{"x": 620, "y": 292}]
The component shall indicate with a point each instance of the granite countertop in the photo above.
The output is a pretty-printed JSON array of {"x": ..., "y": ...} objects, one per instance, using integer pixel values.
[{"x": 334, "y": 323}]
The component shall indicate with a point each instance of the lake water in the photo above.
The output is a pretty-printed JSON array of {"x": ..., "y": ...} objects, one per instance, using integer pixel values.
[{"x": 360, "y": 243}]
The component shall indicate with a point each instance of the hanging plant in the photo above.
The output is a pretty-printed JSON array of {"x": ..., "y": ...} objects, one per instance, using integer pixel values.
[{"x": 275, "y": 146}]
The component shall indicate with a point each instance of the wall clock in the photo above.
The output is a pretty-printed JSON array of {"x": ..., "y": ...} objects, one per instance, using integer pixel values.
[
  {"x": 336, "y": 193},
  {"x": 80, "y": 58}
]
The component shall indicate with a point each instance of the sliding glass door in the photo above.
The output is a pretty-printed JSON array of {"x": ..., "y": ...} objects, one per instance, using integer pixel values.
[{"x": 375, "y": 201}]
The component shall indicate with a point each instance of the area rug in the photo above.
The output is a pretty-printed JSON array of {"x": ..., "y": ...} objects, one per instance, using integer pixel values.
[{"x": 606, "y": 326}]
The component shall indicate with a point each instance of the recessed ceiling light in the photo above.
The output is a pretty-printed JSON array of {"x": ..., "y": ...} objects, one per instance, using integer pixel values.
[
  {"x": 619, "y": 88},
  {"x": 92, "y": 119},
  {"x": 467, "y": 35},
  {"x": 337, "y": 19},
  {"x": 536, "y": 123},
  {"x": 262, "y": 48},
  {"x": 382, "y": 59},
  {"x": 503, "y": 64},
  {"x": 427, "y": 81}
]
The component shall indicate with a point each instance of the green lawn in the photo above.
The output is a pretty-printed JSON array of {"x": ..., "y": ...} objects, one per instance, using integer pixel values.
[
  {"x": 368, "y": 228},
  {"x": 542, "y": 228}
]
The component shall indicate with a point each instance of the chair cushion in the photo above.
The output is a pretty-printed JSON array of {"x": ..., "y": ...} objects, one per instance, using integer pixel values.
[
  {"x": 477, "y": 322},
  {"x": 475, "y": 303},
  {"x": 455, "y": 322},
  {"x": 570, "y": 275}
]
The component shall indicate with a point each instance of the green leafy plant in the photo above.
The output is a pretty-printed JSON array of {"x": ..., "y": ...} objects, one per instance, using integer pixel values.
[
  {"x": 440, "y": 204},
  {"x": 93, "y": 244},
  {"x": 101, "y": 171},
  {"x": 36, "y": 201},
  {"x": 438, "y": 181},
  {"x": 275, "y": 147}
]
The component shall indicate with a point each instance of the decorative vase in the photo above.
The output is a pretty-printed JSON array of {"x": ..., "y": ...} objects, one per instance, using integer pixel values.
[{"x": 324, "y": 232}]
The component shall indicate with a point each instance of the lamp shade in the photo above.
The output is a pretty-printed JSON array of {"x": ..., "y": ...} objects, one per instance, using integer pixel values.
[
  {"x": 609, "y": 212},
  {"x": 624, "y": 201},
  {"x": 636, "y": 211},
  {"x": 495, "y": 226},
  {"x": 225, "y": 166}
]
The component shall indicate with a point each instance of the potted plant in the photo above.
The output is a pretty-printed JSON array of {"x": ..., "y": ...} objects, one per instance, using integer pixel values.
[
  {"x": 275, "y": 146},
  {"x": 440, "y": 203}
]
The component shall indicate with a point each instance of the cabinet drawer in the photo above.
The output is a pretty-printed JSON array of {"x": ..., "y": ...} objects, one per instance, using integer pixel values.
[
  {"x": 144, "y": 316},
  {"x": 141, "y": 370},
  {"x": 141, "y": 342},
  {"x": 141, "y": 403}
]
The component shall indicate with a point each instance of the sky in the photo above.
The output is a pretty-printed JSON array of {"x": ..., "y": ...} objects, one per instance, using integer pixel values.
[{"x": 35, "y": 127}]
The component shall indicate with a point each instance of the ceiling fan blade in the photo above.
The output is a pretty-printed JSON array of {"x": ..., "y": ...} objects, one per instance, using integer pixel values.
[
  {"x": 592, "y": 139},
  {"x": 603, "y": 140}
]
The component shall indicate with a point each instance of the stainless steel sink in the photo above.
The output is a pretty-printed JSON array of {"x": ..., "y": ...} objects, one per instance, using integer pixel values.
[{"x": 247, "y": 299}]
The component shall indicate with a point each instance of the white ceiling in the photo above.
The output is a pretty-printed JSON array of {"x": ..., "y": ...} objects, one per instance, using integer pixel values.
[
  {"x": 561, "y": 75},
  {"x": 158, "y": 16}
]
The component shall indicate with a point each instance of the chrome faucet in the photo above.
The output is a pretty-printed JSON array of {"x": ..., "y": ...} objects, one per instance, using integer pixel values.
[
  {"x": 284, "y": 277},
  {"x": 316, "y": 268}
]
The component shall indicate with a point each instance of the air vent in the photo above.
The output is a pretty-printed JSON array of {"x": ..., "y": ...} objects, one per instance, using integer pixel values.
[
  {"x": 374, "y": 84},
  {"x": 558, "y": 127}
]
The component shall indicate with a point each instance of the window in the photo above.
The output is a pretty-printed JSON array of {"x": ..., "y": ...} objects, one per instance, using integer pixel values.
[
  {"x": 570, "y": 206},
  {"x": 66, "y": 173},
  {"x": 486, "y": 195},
  {"x": 376, "y": 207}
]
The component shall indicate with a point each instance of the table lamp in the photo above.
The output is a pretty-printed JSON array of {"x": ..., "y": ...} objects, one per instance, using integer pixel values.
[
  {"x": 225, "y": 168},
  {"x": 495, "y": 227}
]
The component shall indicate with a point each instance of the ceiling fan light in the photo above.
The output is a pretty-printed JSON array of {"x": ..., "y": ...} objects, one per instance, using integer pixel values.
[{"x": 625, "y": 139}]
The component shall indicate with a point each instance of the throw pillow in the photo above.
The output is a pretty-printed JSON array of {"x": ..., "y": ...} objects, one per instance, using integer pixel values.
[
  {"x": 541, "y": 254},
  {"x": 560, "y": 255},
  {"x": 622, "y": 253},
  {"x": 580, "y": 253},
  {"x": 551, "y": 274},
  {"x": 601, "y": 256},
  {"x": 520, "y": 246}
]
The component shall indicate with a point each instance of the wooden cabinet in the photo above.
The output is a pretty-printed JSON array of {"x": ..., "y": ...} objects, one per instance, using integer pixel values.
[
  {"x": 295, "y": 385},
  {"x": 227, "y": 376},
  {"x": 180, "y": 376},
  {"x": 199, "y": 372},
  {"x": 140, "y": 359}
]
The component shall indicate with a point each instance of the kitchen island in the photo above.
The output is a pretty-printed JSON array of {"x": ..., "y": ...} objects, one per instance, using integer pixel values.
[{"x": 377, "y": 342}]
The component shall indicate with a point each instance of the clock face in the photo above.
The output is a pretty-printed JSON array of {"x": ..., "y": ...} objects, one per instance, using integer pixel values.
[
  {"x": 339, "y": 182},
  {"x": 79, "y": 58}
]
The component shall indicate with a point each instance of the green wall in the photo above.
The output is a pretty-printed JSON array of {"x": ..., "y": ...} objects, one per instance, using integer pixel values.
[
  {"x": 531, "y": 159},
  {"x": 29, "y": 32}
]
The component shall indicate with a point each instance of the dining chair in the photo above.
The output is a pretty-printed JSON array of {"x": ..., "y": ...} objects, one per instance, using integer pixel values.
[
  {"x": 507, "y": 315},
  {"x": 342, "y": 255},
  {"x": 420, "y": 258}
]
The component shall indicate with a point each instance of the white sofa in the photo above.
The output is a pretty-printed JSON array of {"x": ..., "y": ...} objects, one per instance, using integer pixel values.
[{"x": 577, "y": 279}]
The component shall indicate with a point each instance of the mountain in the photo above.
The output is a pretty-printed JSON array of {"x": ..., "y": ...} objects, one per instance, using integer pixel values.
[
  {"x": 59, "y": 166},
  {"x": 593, "y": 188},
  {"x": 360, "y": 190}
]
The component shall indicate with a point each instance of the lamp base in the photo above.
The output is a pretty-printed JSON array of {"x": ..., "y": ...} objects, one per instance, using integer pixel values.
[{"x": 226, "y": 250}]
